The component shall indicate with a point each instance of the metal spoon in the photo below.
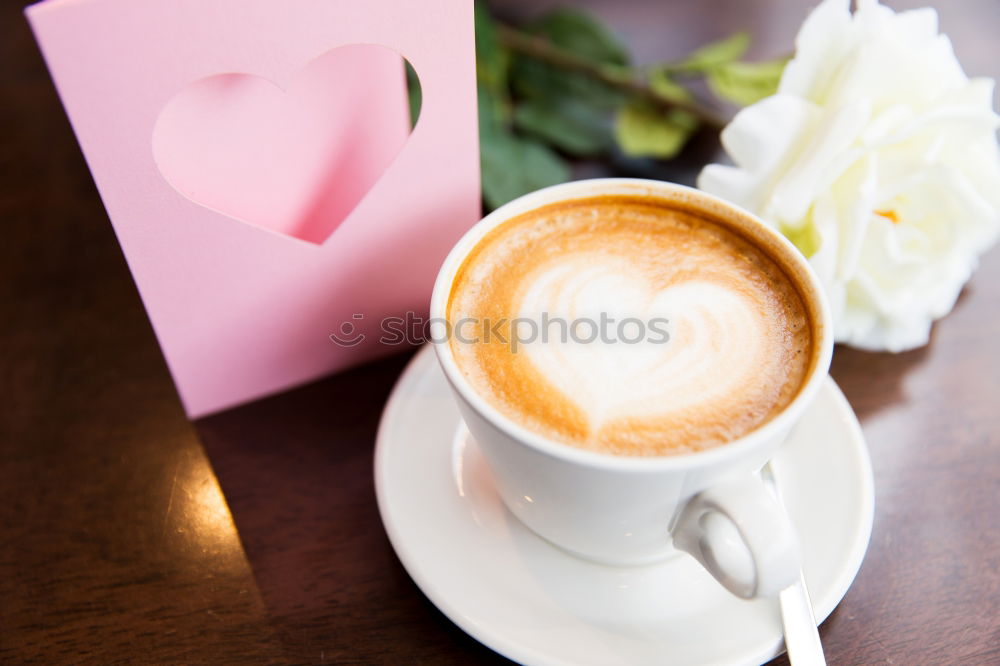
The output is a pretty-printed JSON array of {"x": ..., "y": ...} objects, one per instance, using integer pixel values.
[{"x": 801, "y": 634}]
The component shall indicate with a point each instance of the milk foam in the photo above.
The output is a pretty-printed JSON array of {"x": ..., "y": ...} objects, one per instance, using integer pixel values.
[
  {"x": 736, "y": 341},
  {"x": 714, "y": 344}
]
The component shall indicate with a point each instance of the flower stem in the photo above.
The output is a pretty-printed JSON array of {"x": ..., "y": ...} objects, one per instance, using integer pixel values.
[{"x": 616, "y": 76}]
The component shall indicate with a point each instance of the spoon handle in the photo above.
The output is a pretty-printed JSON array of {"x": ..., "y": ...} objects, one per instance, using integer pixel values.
[{"x": 801, "y": 634}]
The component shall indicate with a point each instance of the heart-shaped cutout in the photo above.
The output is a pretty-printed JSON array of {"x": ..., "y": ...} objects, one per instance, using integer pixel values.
[{"x": 295, "y": 161}]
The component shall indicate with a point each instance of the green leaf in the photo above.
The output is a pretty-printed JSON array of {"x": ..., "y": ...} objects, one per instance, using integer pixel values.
[
  {"x": 512, "y": 166},
  {"x": 533, "y": 79},
  {"x": 714, "y": 54},
  {"x": 643, "y": 130},
  {"x": 744, "y": 83},
  {"x": 663, "y": 84},
  {"x": 414, "y": 93},
  {"x": 574, "y": 128},
  {"x": 492, "y": 59},
  {"x": 582, "y": 34}
]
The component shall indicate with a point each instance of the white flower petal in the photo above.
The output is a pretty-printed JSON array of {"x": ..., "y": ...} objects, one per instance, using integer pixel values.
[
  {"x": 758, "y": 140},
  {"x": 731, "y": 183},
  {"x": 760, "y": 136},
  {"x": 818, "y": 47},
  {"x": 794, "y": 193},
  {"x": 916, "y": 26},
  {"x": 857, "y": 201},
  {"x": 879, "y": 159},
  {"x": 825, "y": 261}
]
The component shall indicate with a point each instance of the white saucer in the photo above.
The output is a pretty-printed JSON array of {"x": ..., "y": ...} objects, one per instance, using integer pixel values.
[{"x": 535, "y": 604}]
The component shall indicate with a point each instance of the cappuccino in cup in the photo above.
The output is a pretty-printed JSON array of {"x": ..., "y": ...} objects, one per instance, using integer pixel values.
[
  {"x": 626, "y": 355},
  {"x": 632, "y": 325}
]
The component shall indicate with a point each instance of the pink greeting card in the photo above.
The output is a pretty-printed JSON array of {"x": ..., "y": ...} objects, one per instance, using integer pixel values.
[{"x": 256, "y": 161}]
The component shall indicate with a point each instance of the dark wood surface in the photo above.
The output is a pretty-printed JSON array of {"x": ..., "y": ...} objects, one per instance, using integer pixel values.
[{"x": 129, "y": 535}]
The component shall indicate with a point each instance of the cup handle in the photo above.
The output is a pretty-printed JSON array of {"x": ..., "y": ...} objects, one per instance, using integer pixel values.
[{"x": 742, "y": 535}]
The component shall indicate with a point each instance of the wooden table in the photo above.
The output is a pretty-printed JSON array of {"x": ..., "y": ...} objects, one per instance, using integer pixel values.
[{"x": 132, "y": 535}]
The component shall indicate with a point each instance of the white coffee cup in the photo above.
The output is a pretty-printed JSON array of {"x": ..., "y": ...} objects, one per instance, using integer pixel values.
[{"x": 623, "y": 510}]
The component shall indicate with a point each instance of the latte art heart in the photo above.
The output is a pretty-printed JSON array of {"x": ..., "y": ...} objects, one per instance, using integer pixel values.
[
  {"x": 710, "y": 343},
  {"x": 633, "y": 329}
]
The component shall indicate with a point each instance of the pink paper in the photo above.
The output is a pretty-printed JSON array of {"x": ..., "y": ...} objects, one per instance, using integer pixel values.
[{"x": 256, "y": 162}]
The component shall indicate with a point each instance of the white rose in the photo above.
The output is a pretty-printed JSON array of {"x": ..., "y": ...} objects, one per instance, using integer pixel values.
[{"x": 878, "y": 158}]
